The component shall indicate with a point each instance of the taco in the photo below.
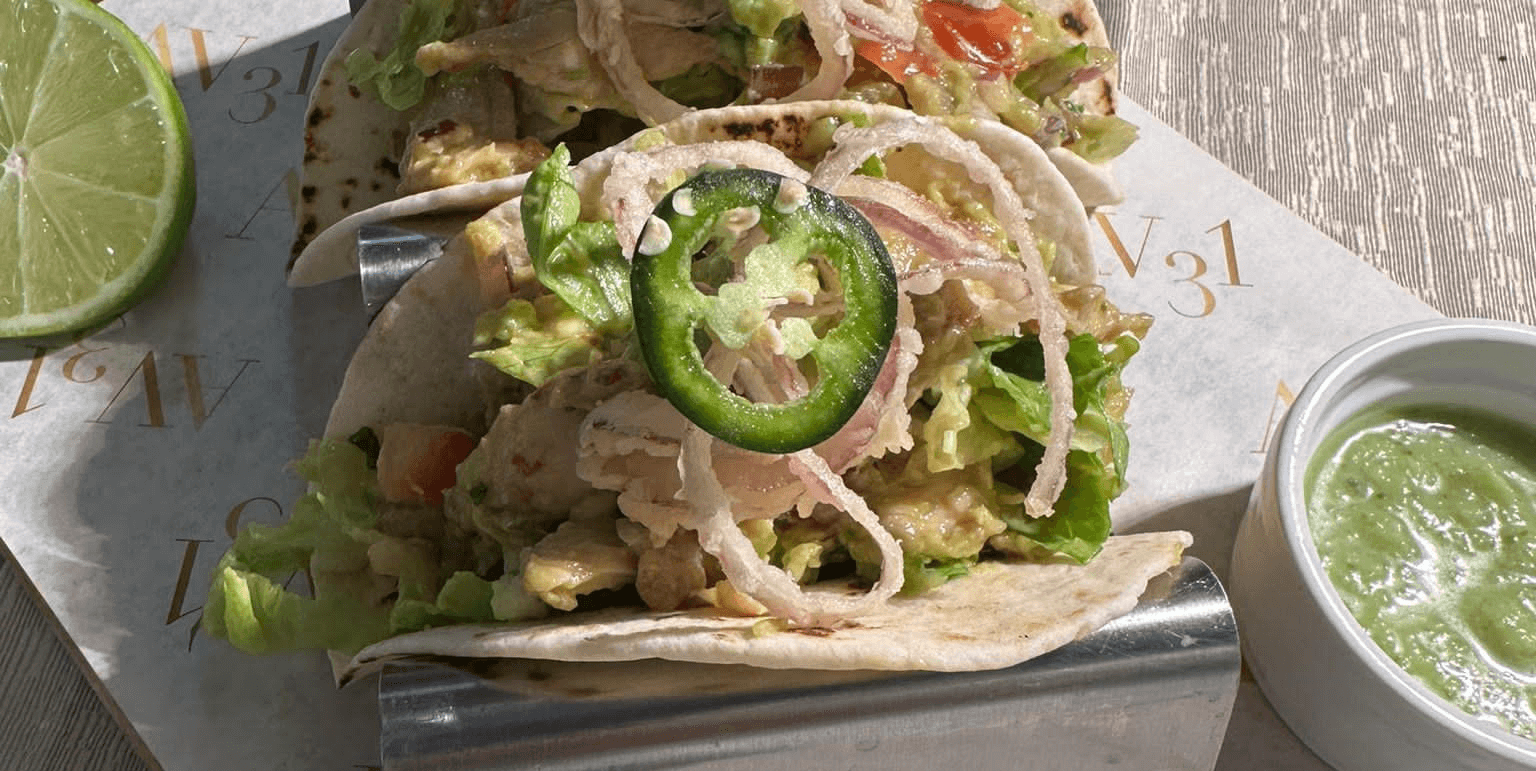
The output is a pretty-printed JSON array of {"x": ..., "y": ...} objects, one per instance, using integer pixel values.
[
  {"x": 884, "y": 432},
  {"x": 422, "y": 94}
]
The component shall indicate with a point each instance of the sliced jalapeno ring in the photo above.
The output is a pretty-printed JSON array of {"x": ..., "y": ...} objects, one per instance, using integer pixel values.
[{"x": 800, "y": 222}]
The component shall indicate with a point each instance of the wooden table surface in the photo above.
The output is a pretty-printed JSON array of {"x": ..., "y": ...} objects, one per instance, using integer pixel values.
[{"x": 1403, "y": 130}]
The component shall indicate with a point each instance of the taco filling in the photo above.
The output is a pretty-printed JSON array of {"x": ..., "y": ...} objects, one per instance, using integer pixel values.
[
  {"x": 794, "y": 367},
  {"x": 1022, "y": 62}
]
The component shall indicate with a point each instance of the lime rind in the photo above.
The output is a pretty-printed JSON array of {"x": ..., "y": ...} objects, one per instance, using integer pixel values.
[{"x": 54, "y": 284}]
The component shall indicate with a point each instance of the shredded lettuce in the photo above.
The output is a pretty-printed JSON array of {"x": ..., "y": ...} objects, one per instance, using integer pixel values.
[
  {"x": 1080, "y": 525},
  {"x": 367, "y": 585},
  {"x": 580, "y": 262},
  {"x": 395, "y": 80},
  {"x": 465, "y": 598},
  {"x": 258, "y": 615},
  {"x": 1101, "y": 137},
  {"x": 1063, "y": 71},
  {"x": 923, "y": 573},
  {"x": 248, "y": 602},
  {"x": 1096, "y": 464},
  {"x": 993, "y": 405},
  {"x": 956, "y": 434}
]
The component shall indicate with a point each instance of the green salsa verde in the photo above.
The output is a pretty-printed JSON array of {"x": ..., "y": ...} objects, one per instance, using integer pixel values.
[{"x": 1425, "y": 520}]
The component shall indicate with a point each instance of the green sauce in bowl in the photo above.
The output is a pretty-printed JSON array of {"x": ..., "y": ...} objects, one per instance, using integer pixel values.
[{"x": 1425, "y": 521}]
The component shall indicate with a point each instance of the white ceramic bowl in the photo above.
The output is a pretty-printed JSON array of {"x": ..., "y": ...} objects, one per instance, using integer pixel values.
[{"x": 1330, "y": 683}]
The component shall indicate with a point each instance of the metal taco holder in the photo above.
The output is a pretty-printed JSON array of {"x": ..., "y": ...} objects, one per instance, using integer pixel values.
[{"x": 1152, "y": 689}]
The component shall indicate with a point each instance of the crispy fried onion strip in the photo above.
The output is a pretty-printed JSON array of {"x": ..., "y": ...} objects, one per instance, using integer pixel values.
[
  {"x": 855, "y": 145},
  {"x": 628, "y": 194},
  {"x": 985, "y": 5},
  {"x": 749, "y": 573},
  {"x": 601, "y": 25}
]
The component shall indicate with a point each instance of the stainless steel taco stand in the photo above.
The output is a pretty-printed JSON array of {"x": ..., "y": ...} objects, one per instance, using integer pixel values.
[
  {"x": 1152, "y": 690},
  {"x": 387, "y": 257}
]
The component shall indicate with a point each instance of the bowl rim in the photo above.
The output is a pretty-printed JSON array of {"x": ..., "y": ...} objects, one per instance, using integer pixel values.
[{"x": 1296, "y": 428}]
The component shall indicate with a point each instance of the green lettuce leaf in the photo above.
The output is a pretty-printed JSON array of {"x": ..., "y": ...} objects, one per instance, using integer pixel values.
[
  {"x": 342, "y": 480},
  {"x": 1001, "y": 389},
  {"x": 957, "y": 433},
  {"x": 920, "y": 574},
  {"x": 551, "y": 204},
  {"x": 464, "y": 599},
  {"x": 580, "y": 262},
  {"x": 327, "y": 537},
  {"x": 1081, "y": 523},
  {"x": 259, "y": 616},
  {"x": 1100, "y": 137},
  {"x": 1064, "y": 71},
  {"x": 395, "y": 80}
]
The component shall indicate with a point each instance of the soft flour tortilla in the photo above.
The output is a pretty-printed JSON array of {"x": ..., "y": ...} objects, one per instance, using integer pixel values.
[
  {"x": 1094, "y": 183},
  {"x": 413, "y": 366},
  {"x": 999, "y": 615}
]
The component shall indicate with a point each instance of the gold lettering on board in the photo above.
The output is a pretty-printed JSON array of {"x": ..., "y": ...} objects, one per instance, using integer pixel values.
[
  {"x": 1131, "y": 265},
  {"x": 184, "y": 579},
  {"x": 153, "y": 406},
  {"x": 193, "y": 380},
  {"x": 24, "y": 399},
  {"x": 1197, "y": 269}
]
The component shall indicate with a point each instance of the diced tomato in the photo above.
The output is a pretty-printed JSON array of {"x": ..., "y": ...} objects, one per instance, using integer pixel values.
[
  {"x": 417, "y": 463},
  {"x": 899, "y": 63},
  {"x": 982, "y": 37},
  {"x": 988, "y": 38}
]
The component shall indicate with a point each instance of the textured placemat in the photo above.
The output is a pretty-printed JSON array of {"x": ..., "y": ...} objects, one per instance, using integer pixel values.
[{"x": 1405, "y": 131}]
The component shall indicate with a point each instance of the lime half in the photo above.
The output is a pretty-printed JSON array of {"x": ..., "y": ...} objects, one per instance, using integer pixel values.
[{"x": 96, "y": 185}]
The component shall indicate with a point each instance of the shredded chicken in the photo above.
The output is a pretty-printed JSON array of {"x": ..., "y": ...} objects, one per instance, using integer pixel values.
[
  {"x": 895, "y": 21},
  {"x": 601, "y": 25},
  {"x": 466, "y": 131},
  {"x": 669, "y": 576},
  {"x": 530, "y": 460},
  {"x": 882, "y": 424},
  {"x": 630, "y": 444}
]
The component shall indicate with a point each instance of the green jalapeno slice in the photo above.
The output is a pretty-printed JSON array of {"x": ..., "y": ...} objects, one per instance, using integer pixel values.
[{"x": 716, "y": 207}]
